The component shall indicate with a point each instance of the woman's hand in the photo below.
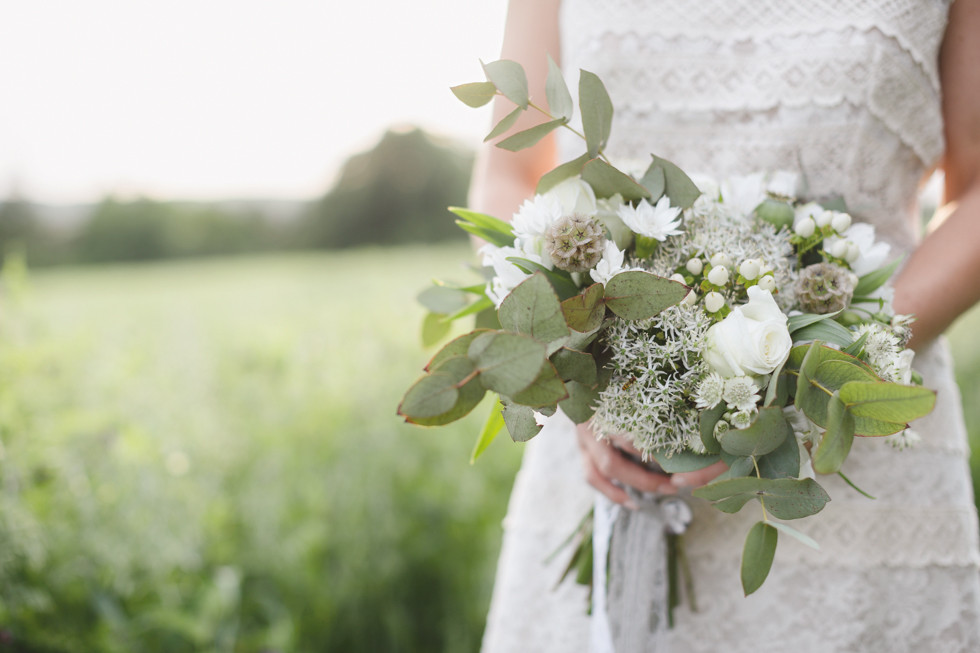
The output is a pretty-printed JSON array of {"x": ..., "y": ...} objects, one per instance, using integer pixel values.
[{"x": 606, "y": 466}]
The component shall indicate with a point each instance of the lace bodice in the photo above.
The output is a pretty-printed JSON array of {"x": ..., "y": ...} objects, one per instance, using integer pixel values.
[{"x": 846, "y": 92}]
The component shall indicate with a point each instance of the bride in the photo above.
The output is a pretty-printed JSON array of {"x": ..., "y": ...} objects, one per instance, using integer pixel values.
[{"x": 862, "y": 98}]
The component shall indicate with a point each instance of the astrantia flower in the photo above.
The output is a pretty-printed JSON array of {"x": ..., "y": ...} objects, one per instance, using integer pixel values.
[
  {"x": 884, "y": 352},
  {"x": 740, "y": 393},
  {"x": 743, "y": 419},
  {"x": 710, "y": 391},
  {"x": 653, "y": 221}
]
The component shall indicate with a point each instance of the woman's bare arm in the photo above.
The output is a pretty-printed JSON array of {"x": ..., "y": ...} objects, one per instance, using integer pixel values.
[{"x": 942, "y": 278}]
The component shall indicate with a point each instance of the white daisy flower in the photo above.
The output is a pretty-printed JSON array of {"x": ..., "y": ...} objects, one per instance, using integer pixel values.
[{"x": 653, "y": 221}]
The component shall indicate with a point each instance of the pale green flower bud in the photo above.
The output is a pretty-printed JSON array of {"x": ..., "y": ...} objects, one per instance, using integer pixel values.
[
  {"x": 839, "y": 249},
  {"x": 718, "y": 276},
  {"x": 678, "y": 278},
  {"x": 690, "y": 299},
  {"x": 805, "y": 227},
  {"x": 695, "y": 266},
  {"x": 750, "y": 269},
  {"x": 841, "y": 222},
  {"x": 713, "y": 302},
  {"x": 768, "y": 282}
]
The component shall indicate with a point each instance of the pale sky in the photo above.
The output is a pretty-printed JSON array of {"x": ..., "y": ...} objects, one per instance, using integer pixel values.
[{"x": 207, "y": 99}]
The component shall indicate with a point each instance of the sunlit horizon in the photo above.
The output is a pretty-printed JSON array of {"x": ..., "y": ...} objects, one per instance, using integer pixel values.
[{"x": 222, "y": 99}]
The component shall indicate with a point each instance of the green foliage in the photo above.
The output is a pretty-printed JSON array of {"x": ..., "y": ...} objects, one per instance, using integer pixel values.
[
  {"x": 194, "y": 459},
  {"x": 757, "y": 556},
  {"x": 395, "y": 193}
]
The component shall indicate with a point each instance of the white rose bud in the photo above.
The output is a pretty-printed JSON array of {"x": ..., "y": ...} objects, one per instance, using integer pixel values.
[
  {"x": 718, "y": 276},
  {"x": 750, "y": 269},
  {"x": 824, "y": 219},
  {"x": 678, "y": 278},
  {"x": 695, "y": 266},
  {"x": 839, "y": 249},
  {"x": 805, "y": 227},
  {"x": 841, "y": 222},
  {"x": 721, "y": 260},
  {"x": 713, "y": 302},
  {"x": 767, "y": 282},
  {"x": 853, "y": 252}
]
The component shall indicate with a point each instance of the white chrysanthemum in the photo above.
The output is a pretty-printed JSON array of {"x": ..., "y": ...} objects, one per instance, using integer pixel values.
[
  {"x": 872, "y": 254},
  {"x": 610, "y": 265},
  {"x": 741, "y": 393},
  {"x": 743, "y": 419},
  {"x": 531, "y": 223},
  {"x": 742, "y": 194},
  {"x": 507, "y": 276},
  {"x": 653, "y": 221},
  {"x": 710, "y": 391}
]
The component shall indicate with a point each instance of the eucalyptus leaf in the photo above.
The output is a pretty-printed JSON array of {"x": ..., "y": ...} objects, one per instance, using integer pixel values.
[
  {"x": 785, "y": 498},
  {"x": 792, "y": 532},
  {"x": 597, "y": 112},
  {"x": 443, "y": 299},
  {"x": 506, "y": 362},
  {"x": 584, "y": 312},
  {"x": 575, "y": 365},
  {"x": 475, "y": 94},
  {"x": 683, "y": 461},
  {"x": 580, "y": 405},
  {"x": 654, "y": 181},
  {"x": 479, "y": 305},
  {"x": 509, "y": 78},
  {"x": 495, "y": 422},
  {"x": 431, "y": 395},
  {"x": 434, "y": 329},
  {"x": 757, "y": 556},
  {"x": 580, "y": 341},
  {"x": 637, "y": 295},
  {"x": 769, "y": 430},
  {"x": 505, "y": 123},
  {"x": 677, "y": 185},
  {"x": 525, "y": 139},
  {"x": 456, "y": 347},
  {"x": 560, "y": 280},
  {"x": 706, "y": 422},
  {"x": 556, "y": 90},
  {"x": 533, "y": 308},
  {"x": 560, "y": 173},
  {"x": 520, "y": 422},
  {"x": 874, "y": 280},
  {"x": 468, "y": 394},
  {"x": 738, "y": 467},
  {"x": 546, "y": 390},
  {"x": 607, "y": 181},
  {"x": 784, "y": 462},
  {"x": 836, "y": 441},
  {"x": 889, "y": 402}
]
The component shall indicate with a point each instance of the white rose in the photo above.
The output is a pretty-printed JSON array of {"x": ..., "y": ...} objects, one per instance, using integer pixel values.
[{"x": 753, "y": 339}]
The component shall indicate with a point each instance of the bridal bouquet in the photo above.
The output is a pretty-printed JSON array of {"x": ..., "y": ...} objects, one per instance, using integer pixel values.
[{"x": 717, "y": 320}]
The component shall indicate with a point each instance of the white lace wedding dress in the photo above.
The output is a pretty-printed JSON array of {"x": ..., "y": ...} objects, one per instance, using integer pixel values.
[{"x": 846, "y": 92}]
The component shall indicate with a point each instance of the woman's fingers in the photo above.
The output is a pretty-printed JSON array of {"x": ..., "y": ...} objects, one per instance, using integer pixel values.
[
  {"x": 605, "y": 466},
  {"x": 699, "y": 477}
]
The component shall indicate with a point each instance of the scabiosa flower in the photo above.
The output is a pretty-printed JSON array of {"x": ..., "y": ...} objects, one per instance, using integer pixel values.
[
  {"x": 825, "y": 288},
  {"x": 653, "y": 221},
  {"x": 575, "y": 243},
  {"x": 741, "y": 393}
]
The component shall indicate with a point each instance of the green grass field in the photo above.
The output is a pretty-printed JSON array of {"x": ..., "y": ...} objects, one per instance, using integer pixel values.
[{"x": 205, "y": 456}]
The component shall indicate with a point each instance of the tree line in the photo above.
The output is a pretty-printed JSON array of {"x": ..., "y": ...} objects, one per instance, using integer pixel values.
[{"x": 395, "y": 193}]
